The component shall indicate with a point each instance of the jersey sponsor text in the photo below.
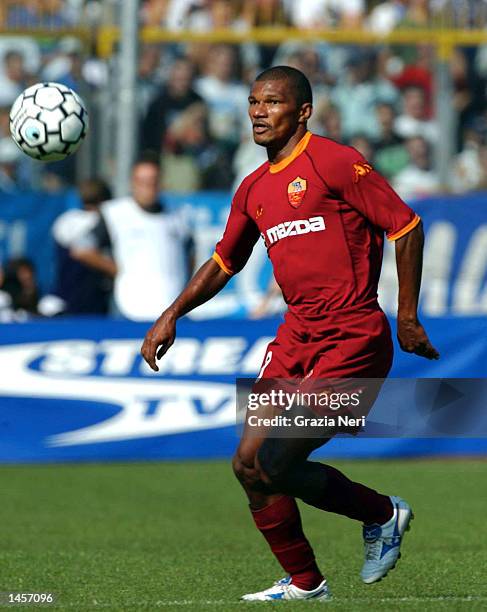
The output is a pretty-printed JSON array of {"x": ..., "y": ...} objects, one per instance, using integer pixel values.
[{"x": 294, "y": 228}]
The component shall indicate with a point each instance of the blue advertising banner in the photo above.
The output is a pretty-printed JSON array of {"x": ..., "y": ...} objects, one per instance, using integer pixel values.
[
  {"x": 26, "y": 219},
  {"x": 78, "y": 390},
  {"x": 455, "y": 258}
]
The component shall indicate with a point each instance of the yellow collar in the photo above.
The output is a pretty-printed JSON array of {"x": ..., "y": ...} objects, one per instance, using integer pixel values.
[{"x": 298, "y": 149}]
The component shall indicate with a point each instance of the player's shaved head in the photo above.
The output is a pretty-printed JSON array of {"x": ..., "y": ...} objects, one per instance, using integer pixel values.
[{"x": 298, "y": 82}]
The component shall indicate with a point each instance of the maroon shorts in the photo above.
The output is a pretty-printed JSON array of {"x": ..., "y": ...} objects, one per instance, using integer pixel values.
[{"x": 329, "y": 353}]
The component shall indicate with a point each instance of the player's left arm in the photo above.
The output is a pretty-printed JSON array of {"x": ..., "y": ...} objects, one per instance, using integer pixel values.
[
  {"x": 409, "y": 260},
  {"x": 356, "y": 182}
]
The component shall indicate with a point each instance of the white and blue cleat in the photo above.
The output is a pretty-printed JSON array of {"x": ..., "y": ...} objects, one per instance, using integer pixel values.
[
  {"x": 284, "y": 590},
  {"x": 382, "y": 542}
]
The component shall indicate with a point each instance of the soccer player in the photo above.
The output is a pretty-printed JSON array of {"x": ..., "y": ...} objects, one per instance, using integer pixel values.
[{"x": 322, "y": 211}]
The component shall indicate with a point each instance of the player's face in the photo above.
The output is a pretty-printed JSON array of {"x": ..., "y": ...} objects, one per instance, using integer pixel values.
[
  {"x": 274, "y": 112},
  {"x": 145, "y": 184}
]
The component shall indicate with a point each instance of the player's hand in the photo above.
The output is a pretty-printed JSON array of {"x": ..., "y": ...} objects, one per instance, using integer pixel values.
[
  {"x": 413, "y": 338},
  {"x": 159, "y": 339}
]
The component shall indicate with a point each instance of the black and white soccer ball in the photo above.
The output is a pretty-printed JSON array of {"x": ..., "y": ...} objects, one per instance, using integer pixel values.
[{"x": 48, "y": 121}]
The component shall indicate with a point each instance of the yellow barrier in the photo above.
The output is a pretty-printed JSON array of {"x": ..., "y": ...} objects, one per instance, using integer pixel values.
[
  {"x": 82, "y": 33},
  {"x": 107, "y": 36},
  {"x": 444, "y": 40}
]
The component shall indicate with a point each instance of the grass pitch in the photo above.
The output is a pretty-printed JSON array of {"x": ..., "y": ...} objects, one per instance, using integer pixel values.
[{"x": 179, "y": 537}]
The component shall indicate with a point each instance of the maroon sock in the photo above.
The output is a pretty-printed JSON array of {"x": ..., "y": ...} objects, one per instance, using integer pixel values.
[
  {"x": 280, "y": 524},
  {"x": 355, "y": 500}
]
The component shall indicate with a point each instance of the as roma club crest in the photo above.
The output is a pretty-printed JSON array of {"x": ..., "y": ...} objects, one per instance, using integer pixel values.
[
  {"x": 361, "y": 169},
  {"x": 296, "y": 190}
]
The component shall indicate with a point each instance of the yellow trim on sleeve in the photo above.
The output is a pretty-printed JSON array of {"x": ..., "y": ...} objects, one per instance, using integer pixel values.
[
  {"x": 298, "y": 149},
  {"x": 407, "y": 228},
  {"x": 219, "y": 261}
]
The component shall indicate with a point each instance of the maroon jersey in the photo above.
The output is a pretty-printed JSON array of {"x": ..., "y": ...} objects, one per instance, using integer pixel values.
[{"x": 322, "y": 213}]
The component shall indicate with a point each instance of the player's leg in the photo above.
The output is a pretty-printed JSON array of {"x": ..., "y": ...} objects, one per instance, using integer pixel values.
[
  {"x": 283, "y": 466},
  {"x": 385, "y": 519},
  {"x": 277, "y": 517}
]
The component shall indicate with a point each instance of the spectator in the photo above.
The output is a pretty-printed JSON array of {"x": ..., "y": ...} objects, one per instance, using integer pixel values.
[
  {"x": 39, "y": 14},
  {"x": 150, "y": 247},
  {"x": 174, "y": 97},
  {"x": 66, "y": 66},
  {"x": 357, "y": 94},
  {"x": 326, "y": 121},
  {"x": 19, "y": 282},
  {"x": 418, "y": 72},
  {"x": 223, "y": 15},
  {"x": 23, "y": 15},
  {"x": 14, "y": 79},
  {"x": 385, "y": 17},
  {"x": 225, "y": 96},
  {"x": 148, "y": 77},
  {"x": 154, "y": 13},
  {"x": 412, "y": 122},
  {"x": 82, "y": 289},
  {"x": 390, "y": 154},
  {"x": 55, "y": 14},
  {"x": 417, "y": 179},
  {"x": 326, "y": 13},
  {"x": 215, "y": 15},
  {"x": 417, "y": 15},
  {"x": 363, "y": 146},
  {"x": 17, "y": 171},
  {"x": 10, "y": 156},
  {"x": 179, "y": 11},
  {"x": 264, "y": 13},
  {"x": 468, "y": 170},
  {"x": 192, "y": 160}
]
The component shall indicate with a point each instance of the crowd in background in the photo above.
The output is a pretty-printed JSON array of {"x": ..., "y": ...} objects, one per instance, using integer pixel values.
[
  {"x": 192, "y": 97},
  {"x": 377, "y": 15}
]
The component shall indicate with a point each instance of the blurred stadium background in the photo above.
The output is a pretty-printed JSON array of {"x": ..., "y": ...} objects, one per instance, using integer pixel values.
[{"x": 403, "y": 81}]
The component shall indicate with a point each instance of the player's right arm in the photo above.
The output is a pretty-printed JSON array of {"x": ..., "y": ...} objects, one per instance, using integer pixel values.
[
  {"x": 207, "y": 282},
  {"x": 231, "y": 255}
]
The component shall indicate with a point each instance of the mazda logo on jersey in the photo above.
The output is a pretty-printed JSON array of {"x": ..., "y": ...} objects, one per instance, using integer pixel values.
[{"x": 293, "y": 228}]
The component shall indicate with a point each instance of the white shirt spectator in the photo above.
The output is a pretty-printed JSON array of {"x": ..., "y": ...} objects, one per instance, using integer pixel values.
[
  {"x": 71, "y": 227},
  {"x": 414, "y": 183},
  {"x": 467, "y": 171},
  {"x": 409, "y": 127},
  {"x": 227, "y": 103},
  {"x": 178, "y": 12},
  {"x": 413, "y": 121},
  {"x": 386, "y": 16},
  {"x": 149, "y": 250},
  {"x": 323, "y": 13},
  {"x": 357, "y": 102}
]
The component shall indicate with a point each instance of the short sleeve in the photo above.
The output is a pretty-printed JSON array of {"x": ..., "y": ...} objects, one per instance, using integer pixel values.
[
  {"x": 355, "y": 181},
  {"x": 241, "y": 233}
]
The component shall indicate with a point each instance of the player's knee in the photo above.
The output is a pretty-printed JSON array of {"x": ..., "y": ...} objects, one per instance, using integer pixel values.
[
  {"x": 271, "y": 468},
  {"x": 244, "y": 469}
]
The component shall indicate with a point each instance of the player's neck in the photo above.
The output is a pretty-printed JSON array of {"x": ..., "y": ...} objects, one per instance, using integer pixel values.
[{"x": 279, "y": 151}]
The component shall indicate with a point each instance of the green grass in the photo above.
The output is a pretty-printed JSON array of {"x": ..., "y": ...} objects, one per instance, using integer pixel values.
[{"x": 179, "y": 536}]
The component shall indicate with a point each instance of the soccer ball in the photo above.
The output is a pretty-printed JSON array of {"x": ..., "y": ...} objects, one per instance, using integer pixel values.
[{"x": 48, "y": 121}]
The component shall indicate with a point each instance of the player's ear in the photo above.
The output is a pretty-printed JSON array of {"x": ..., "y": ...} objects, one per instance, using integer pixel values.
[{"x": 305, "y": 112}]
